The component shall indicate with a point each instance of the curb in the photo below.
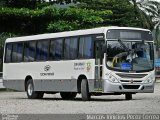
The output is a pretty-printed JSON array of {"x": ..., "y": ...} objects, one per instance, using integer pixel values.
[{"x": 157, "y": 80}]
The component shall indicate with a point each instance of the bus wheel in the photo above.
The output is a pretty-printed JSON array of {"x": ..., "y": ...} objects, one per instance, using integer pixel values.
[
  {"x": 68, "y": 95},
  {"x": 85, "y": 90},
  {"x": 30, "y": 91},
  {"x": 128, "y": 96}
]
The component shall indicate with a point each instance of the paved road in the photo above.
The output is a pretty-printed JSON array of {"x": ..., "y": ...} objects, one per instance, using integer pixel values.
[{"x": 143, "y": 103}]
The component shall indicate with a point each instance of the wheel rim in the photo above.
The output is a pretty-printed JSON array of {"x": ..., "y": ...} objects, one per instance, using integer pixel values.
[{"x": 30, "y": 89}]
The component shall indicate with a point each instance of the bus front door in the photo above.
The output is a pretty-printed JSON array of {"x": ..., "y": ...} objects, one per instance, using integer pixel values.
[{"x": 98, "y": 53}]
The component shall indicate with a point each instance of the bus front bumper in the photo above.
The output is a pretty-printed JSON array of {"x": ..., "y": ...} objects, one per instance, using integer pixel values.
[{"x": 109, "y": 87}]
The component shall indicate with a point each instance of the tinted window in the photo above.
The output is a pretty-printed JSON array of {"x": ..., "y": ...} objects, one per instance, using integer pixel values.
[
  {"x": 73, "y": 48},
  {"x": 70, "y": 51},
  {"x": 8, "y": 52},
  {"x": 30, "y": 50},
  {"x": 17, "y": 52},
  {"x": 42, "y": 50},
  {"x": 56, "y": 49},
  {"x": 14, "y": 50},
  {"x": 85, "y": 47},
  {"x": 67, "y": 49}
]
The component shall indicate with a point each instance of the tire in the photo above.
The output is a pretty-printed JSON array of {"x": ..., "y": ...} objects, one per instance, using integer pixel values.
[
  {"x": 85, "y": 90},
  {"x": 68, "y": 95},
  {"x": 128, "y": 96},
  {"x": 31, "y": 94}
]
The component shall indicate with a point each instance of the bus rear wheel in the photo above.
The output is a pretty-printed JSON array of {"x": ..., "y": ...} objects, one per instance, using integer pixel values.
[
  {"x": 30, "y": 91},
  {"x": 128, "y": 96},
  {"x": 85, "y": 90},
  {"x": 68, "y": 95}
]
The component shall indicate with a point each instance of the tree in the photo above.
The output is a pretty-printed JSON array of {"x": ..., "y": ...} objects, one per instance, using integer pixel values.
[
  {"x": 156, "y": 20},
  {"x": 77, "y": 18},
  {"x": 49, "y": 19},
  {"x": 148, "y": 11},
  {"x": 34, "y": 3},
  {"x": 123, "y": 14},
  {"x": 21, "y": 3},
  {"x": 145, "y": 10}
]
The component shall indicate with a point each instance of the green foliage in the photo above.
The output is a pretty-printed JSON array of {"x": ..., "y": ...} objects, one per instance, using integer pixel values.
[
  {"x": 76, "y": 18},
  {"x": 38, "y": 21},
  {"x": 22, "y": 20},
  {"x": 91, "y": 13},
  {"x": 62, "y": 26},
  {"x": 123, "y": 11},
  {"x": 21, "y": 3},
  {"x": 33, "y": 4}
]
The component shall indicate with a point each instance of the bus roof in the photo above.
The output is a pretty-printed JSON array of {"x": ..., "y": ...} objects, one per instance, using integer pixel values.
[{"x": 69, "y": 33}]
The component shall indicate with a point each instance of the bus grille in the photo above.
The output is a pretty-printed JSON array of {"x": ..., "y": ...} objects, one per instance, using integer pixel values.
[
  {"x": 129, "y": 81},
  {"x": 131, "y": 86},
  {"x": 131, "y": 75}
]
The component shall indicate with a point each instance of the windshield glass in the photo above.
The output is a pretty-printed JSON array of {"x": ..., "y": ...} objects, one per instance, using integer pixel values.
[{"x": 126, "y": 55}]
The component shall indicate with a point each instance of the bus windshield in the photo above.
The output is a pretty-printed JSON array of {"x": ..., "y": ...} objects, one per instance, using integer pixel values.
[{"x": 130, "y": 55}]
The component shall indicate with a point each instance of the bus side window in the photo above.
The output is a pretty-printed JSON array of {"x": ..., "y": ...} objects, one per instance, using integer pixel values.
[
  {"x": 19, "y": 52},
  {"x": 14, "y": 50},
  {"x": 73, "y": 48},
  {"x": 8, "y": 52},
  {"x": 56, "y": 49},
  {"x": 29, "y": 51},
  {"x": 70, "y": 48},
  {"x": 67, "y": 46},
  {"x": 85, "y": 47},
  {"x": 42, "y": 50}
]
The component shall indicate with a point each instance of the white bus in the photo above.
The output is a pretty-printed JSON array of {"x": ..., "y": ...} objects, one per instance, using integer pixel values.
[{"x": 98, "y": 61}]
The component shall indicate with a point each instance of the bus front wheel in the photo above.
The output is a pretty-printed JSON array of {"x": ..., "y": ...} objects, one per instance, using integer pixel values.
[
  {"x": 85, "y": 90},
  {"x": 30, "y": 91},
  {"x": 128, "y": 96}
]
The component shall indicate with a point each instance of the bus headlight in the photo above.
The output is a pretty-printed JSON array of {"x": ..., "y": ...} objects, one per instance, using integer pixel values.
[
  {"x": 113, "y": 79},
  {"x": 150, "y": 79}
]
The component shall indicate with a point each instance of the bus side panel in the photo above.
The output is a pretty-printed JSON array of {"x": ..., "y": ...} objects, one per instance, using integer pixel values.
[
  {"x": 49, "y": 75},
  {"x": 63, "y": 75},
  {"x": 14, "y": 75},
  {"x": 56, "y": 85},
  {"x": 14, "y": 84}
]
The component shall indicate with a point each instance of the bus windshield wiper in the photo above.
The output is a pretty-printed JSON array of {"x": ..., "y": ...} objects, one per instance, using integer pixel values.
[{"x": 123, "y": 45}]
